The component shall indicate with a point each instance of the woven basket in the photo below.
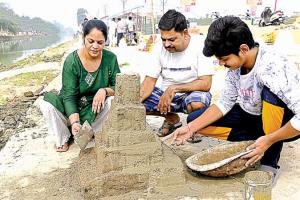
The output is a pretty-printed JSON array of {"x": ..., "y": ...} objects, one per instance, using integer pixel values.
[{"x": 216, "y": 155}]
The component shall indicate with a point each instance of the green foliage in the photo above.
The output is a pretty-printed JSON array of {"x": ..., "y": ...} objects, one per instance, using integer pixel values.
[
  {"x": 13, "y": 23},
  {"x": 9, "y": 26}
]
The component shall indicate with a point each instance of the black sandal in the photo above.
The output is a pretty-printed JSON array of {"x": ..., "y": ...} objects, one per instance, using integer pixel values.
[{"x": 167, "y": 125}]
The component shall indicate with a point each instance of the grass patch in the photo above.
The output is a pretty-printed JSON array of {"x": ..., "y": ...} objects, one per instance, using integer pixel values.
[
  {"x": 31, "y": 81},
  {"x": 32, "y": 78}
]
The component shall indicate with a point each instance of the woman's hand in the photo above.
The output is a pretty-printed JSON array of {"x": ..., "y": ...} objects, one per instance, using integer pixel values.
[
  {"x": 259, "y": 146},
  {"x": 75, "y": 128},
  {"x": 98, "y": 101},
  {"x": 180, "y": 135}
]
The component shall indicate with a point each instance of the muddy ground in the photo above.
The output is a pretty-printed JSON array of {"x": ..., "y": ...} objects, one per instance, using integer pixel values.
[{"x": 13, "y": 118}]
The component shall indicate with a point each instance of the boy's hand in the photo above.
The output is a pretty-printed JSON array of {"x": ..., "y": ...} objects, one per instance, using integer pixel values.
[
  {"x": 259, "y": 146},
  {"x": 180, "y": 135}
]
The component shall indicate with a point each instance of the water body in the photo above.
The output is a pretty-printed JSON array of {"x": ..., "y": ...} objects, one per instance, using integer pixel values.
[{"x": 14, "y": 50}]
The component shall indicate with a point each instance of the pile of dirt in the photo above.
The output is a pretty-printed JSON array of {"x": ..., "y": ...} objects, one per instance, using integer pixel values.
[
  {"x": 57, "y": 185},
  {"x": 13, "y": 118}
]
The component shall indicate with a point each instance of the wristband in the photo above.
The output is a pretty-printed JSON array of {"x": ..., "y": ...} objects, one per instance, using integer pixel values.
[
  {"x": 189, "y": 128},
  {"x": 75, "y": 122}
]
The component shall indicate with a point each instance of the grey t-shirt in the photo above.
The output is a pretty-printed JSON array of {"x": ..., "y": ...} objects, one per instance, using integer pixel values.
[{"x": 272, "y": 70}]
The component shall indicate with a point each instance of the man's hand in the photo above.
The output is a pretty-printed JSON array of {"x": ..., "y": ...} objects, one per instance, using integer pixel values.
[
  {"x": 164, "y": 105},
  {"x": 98, "y": 101},
  {"x": 260, "y": 146},
  {"x": 180, "y": 135}
]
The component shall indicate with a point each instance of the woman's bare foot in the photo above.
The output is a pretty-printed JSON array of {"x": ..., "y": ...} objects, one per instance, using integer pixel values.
[{"x": 63, "y": 148}]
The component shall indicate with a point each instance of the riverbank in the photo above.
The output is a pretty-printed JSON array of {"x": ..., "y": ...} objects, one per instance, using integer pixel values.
[
  {"x": 29, "y": 75},
  {"x": 48, "y": 55}
]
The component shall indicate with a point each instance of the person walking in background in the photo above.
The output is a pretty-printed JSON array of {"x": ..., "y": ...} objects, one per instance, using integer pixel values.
[
  {"x": 88, "y": 82},
  {"x": 130, "y": 30},
  {"x": 121, "y": 30},
  {"x": 85, "y": 20},
  {"x": 112, "y": 30}
]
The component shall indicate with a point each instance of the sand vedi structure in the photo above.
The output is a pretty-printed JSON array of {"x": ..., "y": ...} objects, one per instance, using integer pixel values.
[{"x": 128, "y": 160}]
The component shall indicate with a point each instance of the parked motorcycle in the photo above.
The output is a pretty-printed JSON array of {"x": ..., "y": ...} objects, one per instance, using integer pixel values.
[{"x": 271, "y": 18}]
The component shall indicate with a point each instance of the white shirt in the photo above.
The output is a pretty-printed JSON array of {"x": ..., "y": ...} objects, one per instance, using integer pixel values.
[
  {"x": 271, "y": 70},
  {"x": 130, "y": 25},
  {"x": 121, "y": 26},
  {"x": 112, "y": 27},
  {"x": 181, "y": 67}
]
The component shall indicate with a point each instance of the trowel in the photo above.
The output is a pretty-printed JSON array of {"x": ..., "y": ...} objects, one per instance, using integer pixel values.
[{"x": 84, "y": 135}]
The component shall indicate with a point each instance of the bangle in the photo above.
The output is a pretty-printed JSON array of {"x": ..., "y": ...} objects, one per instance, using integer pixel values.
[
  {"x": 105, "y": 91},
  {"x": 75, "y": 122},
  {"x": 189, "y": 127}
]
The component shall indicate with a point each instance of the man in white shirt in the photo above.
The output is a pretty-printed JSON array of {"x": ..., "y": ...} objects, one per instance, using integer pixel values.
[
  {"x": 112, "y": 30},
  {"x": 261, "y": 98},
  {"x": 186, "y": 74},
  {"x": 130, "y": 30}
]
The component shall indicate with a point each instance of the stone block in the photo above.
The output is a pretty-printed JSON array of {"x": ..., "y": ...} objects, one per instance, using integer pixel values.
[
  {"x": 131, "y": 117},
  {"x": 127, "y": 90},
  {"x": 133, "y": 156},
  {"x": 114, "y": 138}
]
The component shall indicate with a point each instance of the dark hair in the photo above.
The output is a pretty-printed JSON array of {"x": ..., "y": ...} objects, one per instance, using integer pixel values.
[
  {"x": 172, "y": 19},
  {"x": 130, "y": 18},
  {"x": 225, "y": 35},
  {"x": 95, "y": 23}
]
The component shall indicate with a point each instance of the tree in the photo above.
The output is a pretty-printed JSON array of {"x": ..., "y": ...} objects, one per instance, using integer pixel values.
[
  {"x": 11, "y": 22},
  {"x": 81, "y": 14},
  {"x": 9, "y": 26}
]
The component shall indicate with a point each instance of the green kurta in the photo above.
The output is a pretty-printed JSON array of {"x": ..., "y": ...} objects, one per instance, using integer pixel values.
[{"x": 79, "y": 86}]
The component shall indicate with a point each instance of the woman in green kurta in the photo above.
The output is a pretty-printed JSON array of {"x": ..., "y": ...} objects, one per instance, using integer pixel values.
[{"x": 88, "y": 80}]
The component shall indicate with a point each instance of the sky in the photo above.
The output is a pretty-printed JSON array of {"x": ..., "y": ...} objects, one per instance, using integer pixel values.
[{"x": 64, "y": 11}]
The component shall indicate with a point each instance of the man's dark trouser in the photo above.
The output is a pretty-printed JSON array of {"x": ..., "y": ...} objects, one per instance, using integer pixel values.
[{"x": 119, "y": 37}]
